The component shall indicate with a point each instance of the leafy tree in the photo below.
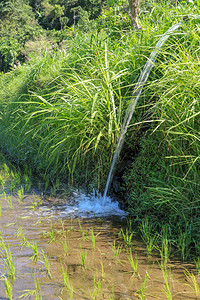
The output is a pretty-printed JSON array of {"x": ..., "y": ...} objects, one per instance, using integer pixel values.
[
  {"x": 17, "y": 26},
  {"x": 56, "y": 14}
]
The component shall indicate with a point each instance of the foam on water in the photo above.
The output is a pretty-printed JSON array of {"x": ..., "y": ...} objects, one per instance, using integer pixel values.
[
  {"x": 97, "y": 205},
  {"x": 86, "y": 206}
]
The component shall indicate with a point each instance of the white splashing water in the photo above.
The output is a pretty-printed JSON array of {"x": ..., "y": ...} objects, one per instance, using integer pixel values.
[
  {"x": 97, "y": 205},
  {"x": 86, "y": 206}
]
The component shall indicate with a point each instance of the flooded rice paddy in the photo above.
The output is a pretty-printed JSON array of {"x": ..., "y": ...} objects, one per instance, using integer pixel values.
[{"x": 50, "y": 250}]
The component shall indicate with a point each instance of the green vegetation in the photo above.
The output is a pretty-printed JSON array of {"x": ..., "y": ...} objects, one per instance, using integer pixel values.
[
  {"x": 163, "y": 181},
  {"x": 134, "y": 263},
  {"x": 83, "y": 256},
  {"x": 61, "y": 111},
  {"x": 17, "y": 26}
]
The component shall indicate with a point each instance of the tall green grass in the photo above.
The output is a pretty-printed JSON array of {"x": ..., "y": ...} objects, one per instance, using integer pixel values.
[
  {"x": 163, "y": 182},
  {"x": 62, "y": 112}
]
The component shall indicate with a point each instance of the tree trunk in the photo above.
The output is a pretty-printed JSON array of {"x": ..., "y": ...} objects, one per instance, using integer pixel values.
[{"x": 134, "y": 6}]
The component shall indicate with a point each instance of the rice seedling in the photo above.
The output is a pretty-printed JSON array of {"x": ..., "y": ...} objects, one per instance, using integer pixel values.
[
  {"x": 151, "y": 245},
  {"x": 127, "y": 237},
  {"x": 83, "y": 256},
  {"x": 35, "y": 292},
  {"x": 93, "y": 238},
  {"x": 20, "y": 194},
  {"x": 197, "y": 265},
  {"x": 67, "y": 283},
  {"x": 20, "y": 233},
  {"x": 71, "y": 225},
  {"x": 5, "y": 196},
  {"x": 97, "y": 284},
  {"x": 146, "y": 233},
  {"x": 6, "y": 171},
  {"x": 165, "y": 251},
  {"x": 70, "y": 291},
  {"x": 116, "y": 250},
  {"x": 17, "y": 178},
  {"x": 193, "y": 283},
  {"x": 141, "y": 293},
  {"x": 8, "y": 287},
  {"x": 34, "y": 247},
  {"x": 102, "y": 271},
  {"x": 134, "y": 263},
  {"x": 65, "y": 276},
  {"x": 28, "y": 183},
  {"x": 50, "y": 234},
  {"x": 112, "y": 297},
  {"x": 65, "y": 247},
  {"x": 36, "y": 201},
  {"x": 148, "y": 237},
  {"x": 62, "y": 231},
  {"x": 47, "y": 264},
  {"x": 167, "y": 281},
  {"x": 9, "y": 261},
  {"x": 83, "y": 232},
  {"x": 2, "y": 183},
  {"x": 9, "y": 200}
]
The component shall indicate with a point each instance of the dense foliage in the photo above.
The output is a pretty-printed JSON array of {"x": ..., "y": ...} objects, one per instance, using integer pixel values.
[
  {"x": 22, "y": 21},
  {"x": 162, "y": 183},
  {"x": 58, "y": 14},
  {"x": 17, "y": 26}
]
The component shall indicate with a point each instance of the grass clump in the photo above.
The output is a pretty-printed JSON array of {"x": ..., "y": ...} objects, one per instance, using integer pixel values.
[{"x": 163, "y": 181}]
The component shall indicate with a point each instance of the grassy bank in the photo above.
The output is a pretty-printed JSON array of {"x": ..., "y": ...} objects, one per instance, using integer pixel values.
[
  {"x": 61, "y": 115},
  {"x": 162, "y": 184},
  {"x": 63, "y": 111}
]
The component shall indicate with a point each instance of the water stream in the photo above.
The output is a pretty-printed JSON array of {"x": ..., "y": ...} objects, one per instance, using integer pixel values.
[{"x": 135, "y": 97}]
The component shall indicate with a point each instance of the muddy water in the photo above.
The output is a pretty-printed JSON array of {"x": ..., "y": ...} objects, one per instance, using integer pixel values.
[{"x": 105, "y": 274}]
